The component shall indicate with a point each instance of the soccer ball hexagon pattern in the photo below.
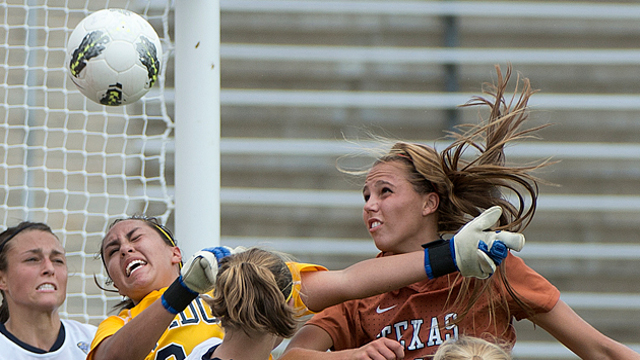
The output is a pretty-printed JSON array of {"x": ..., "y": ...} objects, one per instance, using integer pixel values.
[{"x": 113, "y": 57}]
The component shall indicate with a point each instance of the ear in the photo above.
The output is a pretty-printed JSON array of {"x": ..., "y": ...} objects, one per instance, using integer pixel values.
[
  {"x": 430, "y": 203},
  {"x": 3, "y": 281},
  {"x": 176, "y": 256}
]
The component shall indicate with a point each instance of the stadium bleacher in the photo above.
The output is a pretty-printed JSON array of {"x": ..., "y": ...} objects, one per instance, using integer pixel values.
[{"x": 300, "y": 76}]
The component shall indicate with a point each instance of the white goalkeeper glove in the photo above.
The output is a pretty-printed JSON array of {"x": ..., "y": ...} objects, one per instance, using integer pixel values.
[
  {"x": 474, "y": 250},
  {"x": 478, "y": 250},
  {"x": 200, "y": 271},
  {"x": 197, "y": 276}
]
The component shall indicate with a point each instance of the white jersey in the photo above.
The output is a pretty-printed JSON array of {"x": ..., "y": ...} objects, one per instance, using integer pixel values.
[
  {"x": 72, "y": 344},
  {"x": 203, "y": 348}
]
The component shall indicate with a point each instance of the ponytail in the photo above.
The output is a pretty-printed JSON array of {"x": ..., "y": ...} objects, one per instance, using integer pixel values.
[{"x": 250, "y": 294}]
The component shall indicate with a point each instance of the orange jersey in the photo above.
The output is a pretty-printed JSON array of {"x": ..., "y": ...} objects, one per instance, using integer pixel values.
[{"x": 419, "y": 317}]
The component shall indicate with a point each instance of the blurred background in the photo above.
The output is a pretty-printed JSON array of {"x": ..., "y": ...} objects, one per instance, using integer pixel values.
[{"x": 300, "y": 77}]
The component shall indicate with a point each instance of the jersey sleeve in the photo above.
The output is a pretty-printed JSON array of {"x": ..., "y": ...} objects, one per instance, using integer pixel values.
[
  {"x": 107, "y": 327},
  {"x": 296, "y": 269},
  {"x": 343, "y": 323},
  {"x": 530, "y": 287}
]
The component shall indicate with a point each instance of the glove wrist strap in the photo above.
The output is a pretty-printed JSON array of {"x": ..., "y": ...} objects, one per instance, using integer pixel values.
[
  {"x": 439, "y": 259},
  {"x": 177, "y": 296}
]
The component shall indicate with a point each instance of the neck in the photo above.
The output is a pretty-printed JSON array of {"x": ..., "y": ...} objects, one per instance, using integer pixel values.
[
  {"x": 237, "y": 345},
  {"x": 36, "y": 329}
]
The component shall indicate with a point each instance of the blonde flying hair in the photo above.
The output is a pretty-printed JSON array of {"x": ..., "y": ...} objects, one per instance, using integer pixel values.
[
  {"x": 471, "y": 175},
  {"x": 251, "y": 292},
  {"x": 470, "y": 348}
]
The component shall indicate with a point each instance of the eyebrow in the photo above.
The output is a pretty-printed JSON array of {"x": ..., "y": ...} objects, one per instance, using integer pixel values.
[
  {"x": 115, "y": 241},
  {"x": 40, "y": 251},
  {"x": 377, "y": 183}
]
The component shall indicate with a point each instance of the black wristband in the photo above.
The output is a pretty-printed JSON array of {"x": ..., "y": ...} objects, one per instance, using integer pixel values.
[
  {"x": 438, "y": 259},
  {"x": 177, "y": 296}
]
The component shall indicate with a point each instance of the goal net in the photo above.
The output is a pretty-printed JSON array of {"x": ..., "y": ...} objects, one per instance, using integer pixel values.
[{"x": 67, "y": 161}]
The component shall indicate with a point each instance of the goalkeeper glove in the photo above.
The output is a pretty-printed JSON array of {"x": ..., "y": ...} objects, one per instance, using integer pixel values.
[
  {"x": 198, "y": 276},
  {"x": 472, "y": 251}
]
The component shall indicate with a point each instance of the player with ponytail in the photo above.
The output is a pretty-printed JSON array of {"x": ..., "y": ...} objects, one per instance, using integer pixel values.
[
  {"x": 417, "y": 197},
  {"x": 251, "y": 300},
  {"x": 162, "y": 311}
]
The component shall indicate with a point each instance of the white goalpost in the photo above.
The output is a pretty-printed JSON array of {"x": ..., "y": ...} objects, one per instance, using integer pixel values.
[
  {"x": 77, "y": 166},
  {"x": 197, "y": 113}
]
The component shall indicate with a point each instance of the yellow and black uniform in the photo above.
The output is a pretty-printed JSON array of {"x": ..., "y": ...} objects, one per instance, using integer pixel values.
[
  {"x": 192, "y": 326},
  {"x": 189, "y": 328},
  {"x": 296, "y": 269}
]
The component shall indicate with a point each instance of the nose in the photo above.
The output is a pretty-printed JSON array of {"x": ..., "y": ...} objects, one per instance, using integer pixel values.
[
  {"x": 47, "y": 267},
  {"x": 371, "y": 205},
  {"x": 125, "y": 248}
]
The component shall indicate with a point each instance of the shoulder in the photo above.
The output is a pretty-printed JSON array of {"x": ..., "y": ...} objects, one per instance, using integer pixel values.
[
  {"x": 72, "y": 325},
  {"x": 296, "y": 268},
  {"x": 203, "y": 348},
  {"x": 530, "y": 286}
]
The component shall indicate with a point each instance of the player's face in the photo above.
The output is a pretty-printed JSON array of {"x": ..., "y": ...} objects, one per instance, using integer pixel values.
[
  {"x": 138, "y": 260},
  {"x": 36, "y": 274},
  {"x": 393, "y": 211}
]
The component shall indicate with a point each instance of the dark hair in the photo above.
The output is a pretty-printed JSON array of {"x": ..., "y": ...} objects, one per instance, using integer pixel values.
[
  {"x": 5, "y": 244},
  {"x": 152, "y": 222},
  {"x": 251, "y": 292}
]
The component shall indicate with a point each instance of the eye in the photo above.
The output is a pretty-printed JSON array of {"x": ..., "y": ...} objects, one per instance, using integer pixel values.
[
  {"x": 386, "y": 190},
  {"x": 112, "y": 250},
  {"x": 31, "y": 259},
  {"x": 366, "y": 197}
]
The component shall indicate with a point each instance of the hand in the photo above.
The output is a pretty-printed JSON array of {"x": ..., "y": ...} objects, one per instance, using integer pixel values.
[
  {"x": 200, "y": 271},
  {"x": 197, "y": 276},
  {"x": 478, "y": 251},
  {"x": 379, "y": 349}
]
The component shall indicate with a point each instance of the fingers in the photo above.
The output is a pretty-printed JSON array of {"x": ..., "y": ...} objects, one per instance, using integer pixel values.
[
  {"x": 487, "y": 218},
  {"x": 487, "y": 266},
  {"x": 514, "y": 241},
  {"x": 382, "y": 349}
]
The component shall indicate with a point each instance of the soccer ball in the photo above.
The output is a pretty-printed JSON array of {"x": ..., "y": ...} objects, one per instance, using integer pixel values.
[{"x": 113, "y": 56}]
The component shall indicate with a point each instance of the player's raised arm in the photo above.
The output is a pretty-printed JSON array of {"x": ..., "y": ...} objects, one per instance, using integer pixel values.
[
  {"x": 144, "y": 263},
  {"x": 472, "y": 251}
]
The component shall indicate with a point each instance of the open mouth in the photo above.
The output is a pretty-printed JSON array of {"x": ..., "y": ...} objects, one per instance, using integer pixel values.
[
  {"x": 46, "y": 287},
  {"x": 374, "y": 225},
  {"x": 134, "y": 265}
]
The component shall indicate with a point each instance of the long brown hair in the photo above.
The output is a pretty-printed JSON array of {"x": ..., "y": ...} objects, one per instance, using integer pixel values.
[{"x": 471, "y": 175}]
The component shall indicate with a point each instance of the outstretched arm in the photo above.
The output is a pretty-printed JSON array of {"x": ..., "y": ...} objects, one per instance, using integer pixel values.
[
  {"x": 580, "y": 337},
  {"x": 474, "y": 251},
  {"x": 321, "y": 289},
  {"x": 197, "y": 276}
]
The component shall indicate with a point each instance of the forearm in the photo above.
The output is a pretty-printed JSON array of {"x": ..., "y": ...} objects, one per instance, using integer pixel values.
[
  {"x": 310, "y": 344},
  {"x": 306, "y": 354},
  {"x": 363, "y": 279},
  {"x": 580, "y": 337},
  {"x": 136, "y": 339}
]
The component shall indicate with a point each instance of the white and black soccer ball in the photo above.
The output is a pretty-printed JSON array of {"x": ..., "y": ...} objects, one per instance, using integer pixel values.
[{"x": 113, "y": 56}]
